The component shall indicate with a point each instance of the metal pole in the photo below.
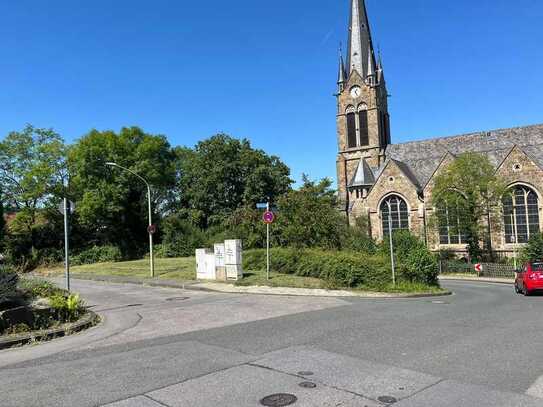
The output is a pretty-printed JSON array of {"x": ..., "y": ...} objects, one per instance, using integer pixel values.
[
  {"x": 268, "y": 245},
  {"x": 66, "y": 244},
  {"x": 515, "y": 230},
  {"x": 151, "y": 255},
  {"x": 391, "y": 244}
]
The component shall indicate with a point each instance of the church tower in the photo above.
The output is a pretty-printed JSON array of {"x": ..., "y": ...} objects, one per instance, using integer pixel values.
[{"x": 363, "y": 125}]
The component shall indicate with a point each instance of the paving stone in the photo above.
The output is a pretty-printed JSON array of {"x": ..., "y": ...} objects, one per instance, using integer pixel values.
[
  {"x": 140, "y": 401},
  {"x": 369, "y": 379},
  {"x": 453, "y": 394},
  {"x": 245, "y": 386}
]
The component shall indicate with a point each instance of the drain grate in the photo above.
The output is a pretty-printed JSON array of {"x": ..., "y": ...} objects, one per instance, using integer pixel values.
[
  {"x": 307, "y": 385},
  {"x": 387, "y": 399},
  {"x": 133, "y": 305},
  {"x": 177, "y": 299},
  {"x": 279, "y": 400},
  {"x": 305, "y": 373}
]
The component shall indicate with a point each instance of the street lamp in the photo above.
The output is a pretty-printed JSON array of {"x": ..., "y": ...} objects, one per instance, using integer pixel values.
[
  {"x": 150, "y": 229},
  {"x": 391, "y": 243}
]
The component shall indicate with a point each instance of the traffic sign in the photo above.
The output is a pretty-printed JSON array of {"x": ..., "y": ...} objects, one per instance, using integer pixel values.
[
  {"x": 268, "y": 217},
  {"x": 151, "y": 229},
  {"x": 479, "y": 268}
]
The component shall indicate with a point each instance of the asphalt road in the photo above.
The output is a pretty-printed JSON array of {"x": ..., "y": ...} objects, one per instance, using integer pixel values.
[{"x": 165, "y": 347}]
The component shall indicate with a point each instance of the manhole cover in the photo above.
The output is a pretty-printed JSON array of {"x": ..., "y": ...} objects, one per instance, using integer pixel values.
[
  {"x": 177, "y": 299},
  {"x": 307, "y": 385},
  {"x": 279, "y": 400},
  {"x": 305, "y": 373},
  {"x": 387, "y": 399}
]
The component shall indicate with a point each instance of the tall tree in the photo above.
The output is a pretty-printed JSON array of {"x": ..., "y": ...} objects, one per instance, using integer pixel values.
[
  {"x": 32, "y": 173},
  {"x": 111, "y": 203},
  {"x": 308, "y": 217},
  {"x": 470, "y": 188},
  {"x": 223, "y": 174}
]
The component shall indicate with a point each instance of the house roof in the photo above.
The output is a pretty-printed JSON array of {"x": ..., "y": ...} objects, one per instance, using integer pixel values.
[
  {"x": 423, "y": 157},
  {"x": 363, "y": 175}
]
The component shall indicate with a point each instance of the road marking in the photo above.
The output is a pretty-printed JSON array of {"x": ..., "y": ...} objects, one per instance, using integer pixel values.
[{"x": 536, "y": 389}]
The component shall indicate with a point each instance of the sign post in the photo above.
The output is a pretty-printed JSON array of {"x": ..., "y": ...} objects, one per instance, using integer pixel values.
[
  {"x": 66, "y": 207},
  {"x": 66, "y": 244},
  {"x": 268, "y": 219}
]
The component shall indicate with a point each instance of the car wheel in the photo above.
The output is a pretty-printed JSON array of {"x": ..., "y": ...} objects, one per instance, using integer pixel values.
[{"x": 526, "y": 292}]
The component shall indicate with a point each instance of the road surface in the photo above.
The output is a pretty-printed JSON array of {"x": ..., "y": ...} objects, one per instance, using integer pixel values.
[{"x": 165, "y": 347}]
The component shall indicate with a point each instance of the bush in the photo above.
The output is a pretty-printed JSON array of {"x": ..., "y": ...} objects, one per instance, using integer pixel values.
[
  {"x": 180, "y": 238},
  {"x": 337, "y": 269},
  {"x": 68, "y": 308},
  {"x": 414, "y": 262},
  {"x": 8, "y": 284},
  {"x": 35, "y": 288},
  {"x": 534, "y": 249},
  {"x": 421, "y": 266},
  {"x": 97, "y": 254}
]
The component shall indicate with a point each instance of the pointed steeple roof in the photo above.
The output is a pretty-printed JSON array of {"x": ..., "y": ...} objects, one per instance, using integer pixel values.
[
  {"x": 341, "y": 74},
  {"x": 360, "y": 43},
  {"x": 363, "y": 175}
]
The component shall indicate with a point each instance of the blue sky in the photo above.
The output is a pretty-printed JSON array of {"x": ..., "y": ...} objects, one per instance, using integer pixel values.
[{"x": 265, "y": 70}]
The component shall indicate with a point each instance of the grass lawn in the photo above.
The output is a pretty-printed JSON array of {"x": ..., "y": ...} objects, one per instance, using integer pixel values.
[
  {"x": 279, "y": 280},
  {"x": 171, "y": 269},
  {"x": 184, "y": 269}
]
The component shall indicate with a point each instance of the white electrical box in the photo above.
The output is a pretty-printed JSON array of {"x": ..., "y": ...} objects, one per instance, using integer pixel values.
[
  {"x": 234, "y": 272},
  {"x": 205, "y": 265},
  {"x": 232, "y": 252}
]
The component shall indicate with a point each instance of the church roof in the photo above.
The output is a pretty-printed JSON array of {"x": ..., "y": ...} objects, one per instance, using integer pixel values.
[
  {"x": 423, "y": 157},
  {"x": 363, "y": 175},
  {"x": 360, "y": 46}
]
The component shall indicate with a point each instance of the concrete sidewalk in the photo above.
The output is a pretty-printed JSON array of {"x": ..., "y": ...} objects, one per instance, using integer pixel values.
[
  {"x": 479, "y": 279},
  {"x": 260, "y": 290}
]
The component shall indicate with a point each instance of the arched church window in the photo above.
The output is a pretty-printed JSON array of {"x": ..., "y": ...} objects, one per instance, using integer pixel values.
[
  {"x": 351, "y": 126},
  {"x": 450, "y": 224},
  {"x": 394, "y": 214},
  {"x": 520, "y": 214},
  {"x": 363, "y": 124}
]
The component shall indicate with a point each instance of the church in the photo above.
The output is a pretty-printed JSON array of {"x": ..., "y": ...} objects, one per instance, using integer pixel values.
[{"x": 376, "y": 177}]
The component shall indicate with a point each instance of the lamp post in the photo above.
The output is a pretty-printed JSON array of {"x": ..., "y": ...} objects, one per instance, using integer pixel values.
[
  {"x": 151, "y": 257},
  {"x": 391, "y": 244}
]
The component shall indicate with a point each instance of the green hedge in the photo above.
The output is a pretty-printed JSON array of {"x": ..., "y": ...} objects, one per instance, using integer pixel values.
[
  {"x": 337, "y": 269},
  {"x": 97, "y": 254},
  {"x": 347, "y": 269}
]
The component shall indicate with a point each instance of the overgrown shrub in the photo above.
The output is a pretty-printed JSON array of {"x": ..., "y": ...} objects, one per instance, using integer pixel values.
[
  {"x": 36, "y": 288},
  {"x": 414, "y": 262},
  {"x": 180, "y": 237},
  {"x": 534, "y": 249},
  {"x": 421, "y": 266},
  {"x": 337, "y": 269},
  {"x": 97, "y": 254},
  {"x": 68, "y": 308},
  {"x": 8, "y": 284}
]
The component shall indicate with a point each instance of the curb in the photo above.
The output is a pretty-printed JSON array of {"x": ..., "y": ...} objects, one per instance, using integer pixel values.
[
  {"x": 88, "y": 320},
  {"x": 472, "y": 280},
  {"x": 195, "y": 286}
]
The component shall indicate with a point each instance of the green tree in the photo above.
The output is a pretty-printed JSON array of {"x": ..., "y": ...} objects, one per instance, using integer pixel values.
[
  {"x": 111, "y": 203},
  {"x": 469, "y": 188},
  {"x": 223, "y": 174},
  {"x": 308, "y": 217},
  {"x": 32, "y": 175},
  {"x": 32, "y": 168},
  {"x": 2, "y": 223}
]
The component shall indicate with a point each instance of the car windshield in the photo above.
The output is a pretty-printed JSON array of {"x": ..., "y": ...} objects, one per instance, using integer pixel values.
[{"x": 537, "y": 266}]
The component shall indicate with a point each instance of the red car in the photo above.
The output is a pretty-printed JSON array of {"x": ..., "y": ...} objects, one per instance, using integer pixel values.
[{"x": 529, "y": 279}]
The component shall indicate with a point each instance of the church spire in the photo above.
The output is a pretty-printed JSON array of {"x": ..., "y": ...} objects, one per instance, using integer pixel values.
[
  {"x": 360, "y": 44},
  {"x": 341, "y": 75}
]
